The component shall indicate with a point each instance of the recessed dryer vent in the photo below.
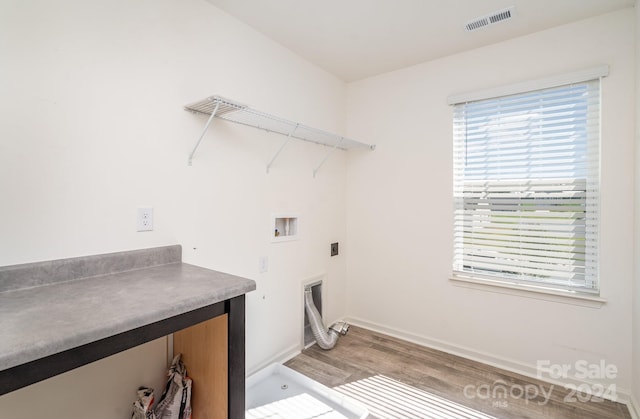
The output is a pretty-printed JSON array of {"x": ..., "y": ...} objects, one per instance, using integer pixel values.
[
  {"x": 316, "y": 295},
  {"x": 314, "y": 329}
]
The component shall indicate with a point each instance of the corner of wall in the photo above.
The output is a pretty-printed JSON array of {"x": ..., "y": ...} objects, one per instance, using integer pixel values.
[
  {"x": 635, "y": 361},
  {"x": 634, "y": 407}
]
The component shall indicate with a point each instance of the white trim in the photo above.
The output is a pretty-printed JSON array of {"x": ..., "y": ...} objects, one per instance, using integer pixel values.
[
  {"x": 634, "y": 407},
  {"x": 528, "y": 86},
  {"x": 623, "y": 395},
  {"x": 280, "y": 358},
  {"x": 529, "y": 291}
]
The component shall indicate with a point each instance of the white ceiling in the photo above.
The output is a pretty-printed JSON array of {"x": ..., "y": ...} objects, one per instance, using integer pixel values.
[{"x": 354, "y": 39}]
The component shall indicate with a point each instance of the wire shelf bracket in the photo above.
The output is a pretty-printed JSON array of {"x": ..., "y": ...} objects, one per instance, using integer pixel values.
[
  {"x": 315, "y": 171},
  {"x": 204, "y": 131},
  {"x": 229, "y": 110},
  {"x": 281, "y": 148}
]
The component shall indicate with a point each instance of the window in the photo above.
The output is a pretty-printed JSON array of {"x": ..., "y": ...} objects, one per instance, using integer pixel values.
[{"x": 526, "y": 180}]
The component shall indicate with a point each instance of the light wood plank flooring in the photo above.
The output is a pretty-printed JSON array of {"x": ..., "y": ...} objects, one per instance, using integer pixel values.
[{"x": 432, "y": 374}]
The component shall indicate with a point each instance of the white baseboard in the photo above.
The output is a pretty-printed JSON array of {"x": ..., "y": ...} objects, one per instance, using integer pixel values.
[
  {"x": 280, "y": 358},
  {"x": 623, "y": 395},
  {"x": 634, "y": 407}
]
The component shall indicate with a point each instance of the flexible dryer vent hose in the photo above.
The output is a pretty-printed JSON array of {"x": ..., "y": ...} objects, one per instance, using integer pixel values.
[{"x": 325, "y": 339}]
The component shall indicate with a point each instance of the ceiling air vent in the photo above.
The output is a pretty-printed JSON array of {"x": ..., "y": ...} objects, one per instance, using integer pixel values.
[{"x": 490, "y": 19}]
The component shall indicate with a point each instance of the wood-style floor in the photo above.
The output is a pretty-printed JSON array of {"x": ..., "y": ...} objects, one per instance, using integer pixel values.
[{"x": 399, "y": 379}]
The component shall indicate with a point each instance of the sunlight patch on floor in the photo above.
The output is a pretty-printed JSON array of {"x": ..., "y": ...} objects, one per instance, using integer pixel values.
[
  {"x": 388, "y": 398},
  {"x": 302, "y": 406}
]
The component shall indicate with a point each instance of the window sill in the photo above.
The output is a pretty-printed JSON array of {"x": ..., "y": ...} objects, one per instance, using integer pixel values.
[{"x": 565, "y": 297}]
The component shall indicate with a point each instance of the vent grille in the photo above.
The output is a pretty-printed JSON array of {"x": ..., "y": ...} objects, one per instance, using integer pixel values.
[{"x": 490, "y": 19}]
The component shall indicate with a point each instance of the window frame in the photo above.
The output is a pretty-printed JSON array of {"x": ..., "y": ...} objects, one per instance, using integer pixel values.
[{"x": 551, "y": 287}]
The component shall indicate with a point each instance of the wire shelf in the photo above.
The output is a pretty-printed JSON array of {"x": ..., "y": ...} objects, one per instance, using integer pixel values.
[{"x": 222, "y": 108}]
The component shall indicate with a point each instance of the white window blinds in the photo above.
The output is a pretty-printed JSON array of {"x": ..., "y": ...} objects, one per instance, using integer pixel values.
[{"x": 526, "y": 179}]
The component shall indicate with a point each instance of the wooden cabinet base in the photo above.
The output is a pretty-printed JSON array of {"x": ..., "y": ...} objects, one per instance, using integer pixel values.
[{"x": 204, "y": 349}]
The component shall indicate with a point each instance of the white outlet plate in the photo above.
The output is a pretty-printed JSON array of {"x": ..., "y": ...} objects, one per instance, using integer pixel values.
[
  {"x": 263, "y": 264},
  {"x": 145, "y": 219}
]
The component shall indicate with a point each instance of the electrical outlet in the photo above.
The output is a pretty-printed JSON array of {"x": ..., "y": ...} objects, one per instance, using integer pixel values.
[
  {"x": 145, "y": 219},
  {"x": 334, "y": 249}
]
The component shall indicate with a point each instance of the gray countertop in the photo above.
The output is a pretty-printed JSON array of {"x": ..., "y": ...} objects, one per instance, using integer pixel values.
[{"x": 52, "y": 317}]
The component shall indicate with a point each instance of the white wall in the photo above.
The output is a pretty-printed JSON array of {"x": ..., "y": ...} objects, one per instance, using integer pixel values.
[
  {"x": 93, "y": 126},
  {"x": 636, "y": 293},
  {"x": 399, "y": 212}
]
